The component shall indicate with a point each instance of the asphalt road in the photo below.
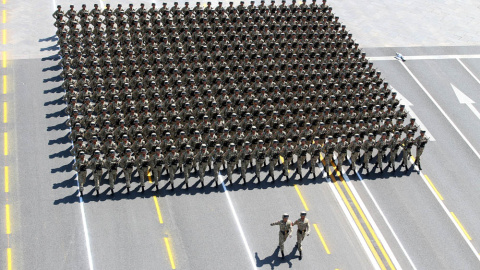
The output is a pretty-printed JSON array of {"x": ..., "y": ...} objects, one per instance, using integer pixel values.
[{"x": 217, "y": 229}]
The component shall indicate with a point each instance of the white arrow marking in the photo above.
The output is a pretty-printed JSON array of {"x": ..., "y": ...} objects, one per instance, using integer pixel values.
[
  {"x": 464, "y": 99},
  {"x": 408, "y": 104}
]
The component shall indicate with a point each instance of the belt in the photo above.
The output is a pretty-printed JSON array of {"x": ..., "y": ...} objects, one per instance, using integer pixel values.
[
  {"x": 301, "y": 231},
  {"x": 284, "y": 232}
]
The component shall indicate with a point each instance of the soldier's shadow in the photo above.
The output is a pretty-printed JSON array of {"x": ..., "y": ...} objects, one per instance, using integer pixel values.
[{"x": 275, "y": 259}]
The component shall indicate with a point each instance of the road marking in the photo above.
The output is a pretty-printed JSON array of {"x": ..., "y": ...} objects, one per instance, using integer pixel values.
[
  {"x": 403, "y": 100},
  {"x": 468, "y": 70},
  {"x": 382, "y": 214},
  {"x": 353, "y": 220},
  {"x": 301, "y": 197},
  {"x": 371, "y": 226},
  {"x": 5, "y": 112},
  {"x": 5, "y": 143},
  {"x": 321, "y": 238},
  {"x": 4, "y": 84},
  {"x": 434, "y": 188},
  {"x": 7, "y": 187},
  {"x": 7, "y": 218},
  {"x": 158, "y": 210},
  {"x": 149, "y": 174},
  {"x": 461, "y": 226},
  {"x": 441, "y": 110},
  {"x": 464, "y": 99},
  {"x": 237, "y": 220},
  {"x": 4, "y": 36},
  {"x": 9, "y": 258},
  {"x": 424, "y": 57},
  {"x": 169, "y": 250},
  {"x": 4, "y": 16},
  {"x": 4, "y": 61}
]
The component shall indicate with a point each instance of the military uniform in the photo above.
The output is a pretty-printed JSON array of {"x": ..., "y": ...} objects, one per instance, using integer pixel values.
[
  {"x": 173, "y": 159},
  {"x": 142, "y": 162},
  {"x": 203, "y": 160},
  {"x": 341, "y": 149},
  {"x": 420, "y": 143},
  {"x": 96, "y": 164},
  {"x": 111, "y": 164},
  {"x": 127, "y": 162},
  {"x": 81, "y": 165},
  {"x": 157, "y": 162},
  {"x": 188, "y": 161},
  {"x": 407, "y": 143},
  {"x": 274, "y": 156},
  {"x": 381, "y": 146},
  {"x": 368, "y": 146},
  {"x": 301, "y": 152},
  {"x": 218, "y": 159},
  {"x": 315, "y": 149},
  {"x": 246, "y": 157},
  {"x": 329, "y": 148},
  {"x": 287, "y": 153},
  {"x": 232, "y": 161},
  {"x": 260, "y": 154},
  {"x": 303, "y": 228},
  {"x": 285, "y": 231}
]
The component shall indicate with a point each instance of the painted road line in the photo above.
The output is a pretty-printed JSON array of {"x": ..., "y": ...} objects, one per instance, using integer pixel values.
[
  {"x": 4, "y": 36},
  {"x": 424, "y": 57},
  {"x": 7, "y": 186},
  {"x": 9, "y": 258},
  {"x": 4, "y": 84},
  {"x": 441, "y": 110},
  {"x": 382, "y": 214},
  {"x": 321, "y": 239},
  {"x": 5, "y": 143},
  {"x": 4, "y": 60},
  {"x": 370, "y": 223},
  {"x": 169, "y": 251},
  {"x": 464, "y": 99},
  {"x": 237, "y": 221},
  {"x": 5, "y": 112},
  {"x": 353, "y": 220},
  {"x": 160, "y": 219},
  {"x": 434, "y": 188},
  {"x": 301, "y": 198},
  {"x": 444, "y": 207},
  {"x": 461, "y": 226},
  {"x": 468, "y": 70},
  {"x": 7, "y": 219},
  {"x": 149, "y": 174}
]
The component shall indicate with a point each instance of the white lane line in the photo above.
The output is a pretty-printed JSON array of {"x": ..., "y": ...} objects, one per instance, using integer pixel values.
[
  {"x": 441, "y": 110},
  {"x": 444, "y": 207},
  {"x": 468, "y": 70},
  {"x": 356, "y": 230},
  {"x": 408, "y": 107},
  {"x": 381, "y": 213},
  {"x": 239, "y": 226},
  {"x": 423, "y": 57}
]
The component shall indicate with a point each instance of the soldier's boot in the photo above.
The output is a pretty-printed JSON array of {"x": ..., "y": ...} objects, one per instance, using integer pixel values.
[
  {"x": 98, "y": 193},
  {"x": 143, "y": 189},
  {"x": 171, "y": 184},
  {"x": 156, "y": 187},
  {"x": 203, "y": 184},
  {"x": 128, "y": 190},
  {"x": 244, "y": 180},
  {"x": 186, "y": 184},
  {"x": 113, "y": 192},
  {"x": 419, "y": 166},
  {"x": 265, "y": 163},
  {"x": 283, "y": 255},
  {"x": 258, "y": 179},
  {"x": 181, "y": 169},
  {"x": 216, "y": 184},
  {"x": 300, "y": 253},
  {"x": 271, "y": 175},
  {"x": 236, "y": 166},
  {"x": 224, "y": 166},
  {"x": 389, "y": 164},
  {"x": 381, "y": 169},
  {"x": 278, "y": 162},
  {"x": 376, "y": 165},
  {"x": 251, "y": 164},
  {"x": 209, "y": 167},
  {"x": 195, "y": 168},
  {"x": 230, "y": 181},
  {"x": 81, "y": 193}
]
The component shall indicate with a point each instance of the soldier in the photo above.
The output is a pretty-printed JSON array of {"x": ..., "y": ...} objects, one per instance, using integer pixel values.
[
  {"x": 142, "y": 163},
  {"x": 367, "y": 147},
  {"x": 246, "y": 158},
  {"x": 328, "y": 149},
  {"x": 203, "y": 160},
  {"x": 95, "y": 165},
  {"x": 127, "y": 162},
  {"x": 420, "y": 143},
  {"x": 232, "y": 160},
  {"x": 301, "y": 152},
  {"x": 411, "y": 126},
  {"x": 315, "y": 149},
  {"x": 355, "y": 147},
  {"x": 381, "y": 146},
  {"x": 341, "y": 149},
  {"x": 407, "y": 144},
  {"x": 303, "y": 228},
  {"x": 78, "y": 147},
  {"x": 187, "y": 159},
  {"x": 217, "y": 157},
  {"x": 287, "y": 153},
  {"x": 80, "y": 166},
  {"x": 285, "y": 231},
  {"x": 260, "y": 154},
  {"x": 394, "y": 145},
  {"x": 111, "y": 164},
  {"x": 274, "y": 156},
  {"x": 172, "y": 163},
  {"x": 157, "y": 161}
]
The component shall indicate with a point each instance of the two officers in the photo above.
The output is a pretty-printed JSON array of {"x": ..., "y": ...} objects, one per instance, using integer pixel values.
[{"x": 286, "y": 229}]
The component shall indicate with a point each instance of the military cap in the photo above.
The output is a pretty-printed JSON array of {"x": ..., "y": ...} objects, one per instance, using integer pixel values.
[
  {"x": 97, "y": 152},
  {"x": 285, "y": 215},
  {"x": 330, "y": 137},
  {"x": 188, "y": 146},
  {"x": 303, "y": 213},
  {"x": 173, "y": 147}
]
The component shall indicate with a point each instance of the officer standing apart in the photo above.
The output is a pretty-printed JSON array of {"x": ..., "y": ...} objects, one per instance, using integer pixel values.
[
  {"x": 420, "y": 143},
  {"x": 303, "y": 228},
  {"x": 81, "y": 168},
  {"x": 285, "y": 231}
]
